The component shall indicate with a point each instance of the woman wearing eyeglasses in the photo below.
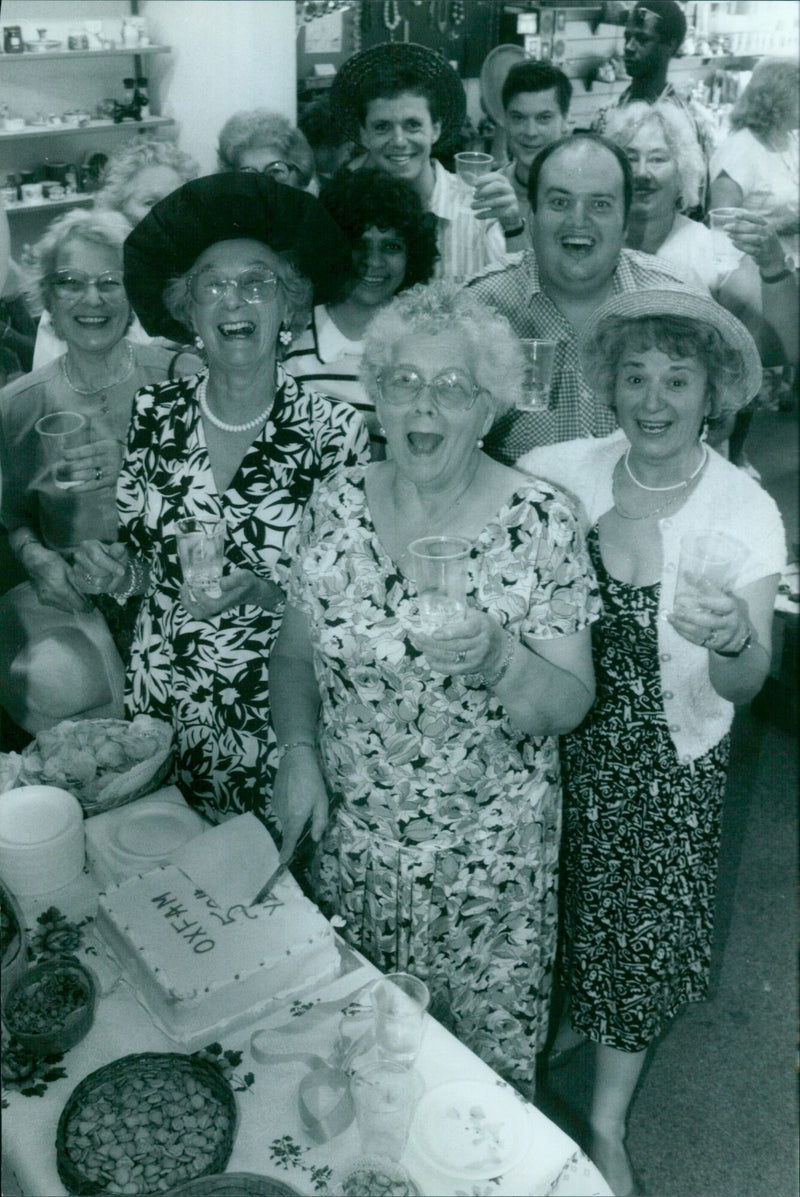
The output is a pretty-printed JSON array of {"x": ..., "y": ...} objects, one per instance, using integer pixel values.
[
  {"x": 230, "y": 260},
  {"x": 79, "y": 281},
  {"x": 267, "y": 143},
  {"x": 438, "y": 749}
]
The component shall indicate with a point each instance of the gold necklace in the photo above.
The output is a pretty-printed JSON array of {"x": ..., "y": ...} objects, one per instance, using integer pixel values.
[{"x": 127, "y": 370}]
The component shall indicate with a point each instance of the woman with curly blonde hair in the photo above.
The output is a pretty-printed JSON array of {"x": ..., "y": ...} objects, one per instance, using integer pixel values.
[
  {"x": 437, "y": 739},
  {"x": 758, "y": 166}
]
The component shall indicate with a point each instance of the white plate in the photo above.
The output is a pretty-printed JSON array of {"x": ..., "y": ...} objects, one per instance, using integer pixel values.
[
  {"x": 156, "y": 829},
  {"x": 473, "y": 1130}
]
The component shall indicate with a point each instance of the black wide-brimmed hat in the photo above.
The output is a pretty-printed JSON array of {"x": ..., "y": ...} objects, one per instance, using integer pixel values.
[
  {"x": 224, "y": 207},
  {"x": 408, "y": 62}
]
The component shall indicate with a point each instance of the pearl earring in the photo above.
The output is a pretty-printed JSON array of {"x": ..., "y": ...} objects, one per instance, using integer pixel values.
[
  {"x": 704, "y": 430},
  {"x": 480, "y": 442},
  {"x": 198, "y": 340},
  {"x": 285, "y": 337}
]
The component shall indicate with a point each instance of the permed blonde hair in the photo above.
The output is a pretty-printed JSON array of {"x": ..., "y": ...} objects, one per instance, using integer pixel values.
[{"x": 622, "y": 125}]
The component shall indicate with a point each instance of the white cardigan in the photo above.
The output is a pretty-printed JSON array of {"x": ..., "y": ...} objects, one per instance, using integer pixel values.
[{"x": 726, "y": 500}]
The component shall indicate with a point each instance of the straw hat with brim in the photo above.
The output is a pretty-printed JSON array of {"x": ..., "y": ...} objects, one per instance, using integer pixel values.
[
  {"x": 694, "y": 306},
  {"x": 225, "y": 207},
  {"x": 381, "y": 64}
]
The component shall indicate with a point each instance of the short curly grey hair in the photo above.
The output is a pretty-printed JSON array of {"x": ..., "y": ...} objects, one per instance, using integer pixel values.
[
  {"x": 296, "y": 289},
  {"x": 622, "y": 125},
  {"x": 94, "y": 227},
  {"x": 257, "y": 128},
  {"x": 443, "y": 306},
  {"x": 123, "y": 168}
]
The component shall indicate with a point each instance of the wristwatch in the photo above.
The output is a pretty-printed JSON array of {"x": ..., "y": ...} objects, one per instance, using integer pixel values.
[
  {"x": 736, "y": 652},
  {"x": 786, "y": 270}
]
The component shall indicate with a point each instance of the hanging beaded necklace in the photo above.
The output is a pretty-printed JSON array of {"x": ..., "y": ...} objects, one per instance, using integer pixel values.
[
  {"x": 102, "y": 390},
  {"x": 681, "y": 487},
  {"x": 247, "y": 426}
]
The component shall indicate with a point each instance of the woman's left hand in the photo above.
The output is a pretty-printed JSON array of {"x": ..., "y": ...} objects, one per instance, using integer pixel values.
[
  {"x": 718, "y": 620},
  {"x": 237, "y": 587},
  {"x": 476, "y": 645},
  {"x": 753, "y": 235},
  {"x": 96, "y": 465}
]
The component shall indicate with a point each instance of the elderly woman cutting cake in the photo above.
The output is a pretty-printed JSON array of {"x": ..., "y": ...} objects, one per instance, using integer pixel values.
[
  {"x": 228, "y": 259},
  {"x": 645, "y": 773},
  {"x": 438, "y": 748}
]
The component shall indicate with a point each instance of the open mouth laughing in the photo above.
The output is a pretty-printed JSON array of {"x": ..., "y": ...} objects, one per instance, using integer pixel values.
[
  {"x": 653, "y": 427},
  {"x": 424, "y": 444},
  {"x": 577, "y": 245},
  {"x": 236, "y": 329}
]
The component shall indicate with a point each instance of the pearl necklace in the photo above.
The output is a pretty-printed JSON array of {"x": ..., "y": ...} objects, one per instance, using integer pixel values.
[
  {"x": 648, "y": 515},
  {"x": 675, "y": 485},
  {"x": 208, "y": 413},
  {"x": 104, "y": 386}
]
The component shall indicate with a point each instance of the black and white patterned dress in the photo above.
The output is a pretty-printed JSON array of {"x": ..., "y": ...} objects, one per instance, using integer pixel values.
[
  {"x": 209, "y": 677},
  {"x": 641, "y": 838}
]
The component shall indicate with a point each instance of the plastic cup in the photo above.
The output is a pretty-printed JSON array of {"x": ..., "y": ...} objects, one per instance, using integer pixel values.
[
  {"x": 726, "y": 255},
  {"x": 540, "y": 357},
  {"x": 385, "y": 1096},
  {"x": 708, "y": 562},
  {"x": 471, "y": 165},
  {"x": 440, "y": 571},
  {"x": 399, "y": 1002},
  {"x": 201, "y": 548},
  {"x": 59, "y": 431}
]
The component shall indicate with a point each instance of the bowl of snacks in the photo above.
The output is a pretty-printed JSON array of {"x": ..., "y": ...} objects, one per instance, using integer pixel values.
[
  {"x": 13, "y": 942},
  {"x": 50, "y": 1007},
  {"x": 103, "y": 762},
  {"x": 367, "y": 1176}
]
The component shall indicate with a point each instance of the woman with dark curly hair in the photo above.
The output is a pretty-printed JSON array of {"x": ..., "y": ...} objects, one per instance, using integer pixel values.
[
  {"x": 644, "y": 774},
  {"x": 393, "y": 246}
]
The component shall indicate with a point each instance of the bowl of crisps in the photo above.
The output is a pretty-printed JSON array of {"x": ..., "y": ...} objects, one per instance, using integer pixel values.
[{"x": 103, "y": 762}]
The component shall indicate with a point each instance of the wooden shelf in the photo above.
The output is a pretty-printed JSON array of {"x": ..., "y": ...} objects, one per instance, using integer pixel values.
[
  {"x": 93, "y": 127},
  {"x": 69, "y": 201},
  {"x": 50, "y": 55}
]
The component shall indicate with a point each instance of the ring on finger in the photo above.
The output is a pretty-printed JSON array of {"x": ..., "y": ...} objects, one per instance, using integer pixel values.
[
  {"x": 461, "y": 656},
  {"x": 98, "y": 473}
]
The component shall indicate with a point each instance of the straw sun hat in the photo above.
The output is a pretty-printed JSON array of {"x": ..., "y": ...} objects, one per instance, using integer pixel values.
[
  {"x": 691, "y": 305},
  {"x": 414, "y": 65}
]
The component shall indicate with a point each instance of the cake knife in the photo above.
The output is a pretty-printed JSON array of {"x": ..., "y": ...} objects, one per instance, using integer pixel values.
[{"x": 275, "y": 877}]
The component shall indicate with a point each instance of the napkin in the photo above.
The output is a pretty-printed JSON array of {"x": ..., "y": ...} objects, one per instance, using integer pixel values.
[{"x": 230, "y": 861}]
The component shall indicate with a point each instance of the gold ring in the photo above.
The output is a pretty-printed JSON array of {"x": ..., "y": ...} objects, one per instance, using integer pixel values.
[
  {"x": 461, "y": 656},
  {"x": 98, "y": 473}
]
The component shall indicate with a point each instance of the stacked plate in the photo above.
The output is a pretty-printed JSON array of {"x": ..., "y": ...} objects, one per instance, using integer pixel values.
[{"x": 41, "y": 839}]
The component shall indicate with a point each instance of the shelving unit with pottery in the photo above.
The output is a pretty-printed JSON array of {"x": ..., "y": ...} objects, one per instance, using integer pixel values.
[{"x": 50, "y": 111}]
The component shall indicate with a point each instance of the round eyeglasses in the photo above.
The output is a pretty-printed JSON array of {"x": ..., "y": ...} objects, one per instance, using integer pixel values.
[
  {"x": 73, "y": 284},
  {"x": 252, "y": 286},
  {"x": 452, "y": 389},
  {"x": 280, "y": 171}
]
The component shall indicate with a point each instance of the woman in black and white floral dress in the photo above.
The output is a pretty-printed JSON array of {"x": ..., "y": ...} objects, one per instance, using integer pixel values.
[{"x": 239, "y": 442}]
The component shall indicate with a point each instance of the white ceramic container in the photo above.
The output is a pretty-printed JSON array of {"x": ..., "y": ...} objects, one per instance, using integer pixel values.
[{"x": 41, "y": 839}]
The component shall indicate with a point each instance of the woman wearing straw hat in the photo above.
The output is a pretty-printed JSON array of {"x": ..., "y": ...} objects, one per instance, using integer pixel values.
[
  {"x": 399, "y": 101},
  {"x": 645, "y": 773},
  {"x": 228, "y": 259}
]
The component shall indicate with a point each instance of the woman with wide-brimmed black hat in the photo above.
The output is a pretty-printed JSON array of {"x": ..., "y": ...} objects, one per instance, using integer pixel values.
[{"x": 229, "y": 260}]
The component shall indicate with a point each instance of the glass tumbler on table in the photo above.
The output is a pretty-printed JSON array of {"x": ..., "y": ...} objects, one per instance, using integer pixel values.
[
  {"x": 385, "y": 1096},
  {"x": 201, "y": 548},
  {"x": 399, "y": 1002}
]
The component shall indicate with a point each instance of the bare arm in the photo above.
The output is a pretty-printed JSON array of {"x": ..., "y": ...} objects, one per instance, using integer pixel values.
[{"x": 299, "y": 793}]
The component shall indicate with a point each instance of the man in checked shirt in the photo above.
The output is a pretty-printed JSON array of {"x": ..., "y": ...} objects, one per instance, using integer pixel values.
[{"x": 580, "y": 191}]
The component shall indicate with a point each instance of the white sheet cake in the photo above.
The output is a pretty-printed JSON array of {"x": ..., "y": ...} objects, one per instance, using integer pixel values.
[{"x": 201, "y": 963}]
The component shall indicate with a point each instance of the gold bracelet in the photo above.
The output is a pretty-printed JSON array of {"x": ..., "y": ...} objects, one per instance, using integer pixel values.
[{"x": 505, "y": 664}]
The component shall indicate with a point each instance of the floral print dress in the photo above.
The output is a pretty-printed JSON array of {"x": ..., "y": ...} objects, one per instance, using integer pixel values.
[
  {"x": 442, "y": 851},
  {"x": 641, "y": 838},
  {"x": 209, "y": 677}
]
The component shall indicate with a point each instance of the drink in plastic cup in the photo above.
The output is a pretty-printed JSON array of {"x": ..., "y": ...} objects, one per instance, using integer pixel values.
[
  {"x": 59, "y": 431},
  {"x": 540, "y": 357},
  {"x": 471, "y": 165},
  {"x": 709, "y": 561},
  {"x": 201, "y": 548},
  {"x": 726, "y": 255},
  {"x": 399, "y": 1002},
  {"x": 385, "y": 1096},
  {"x": 440, "y": 571}
]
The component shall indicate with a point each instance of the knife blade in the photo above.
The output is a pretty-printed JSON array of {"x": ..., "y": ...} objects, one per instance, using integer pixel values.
[{"x": 274, "y": 878}]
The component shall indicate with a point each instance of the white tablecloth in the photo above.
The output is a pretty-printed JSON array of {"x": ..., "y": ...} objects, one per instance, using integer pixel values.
[{"x": 270, "y": 1139}]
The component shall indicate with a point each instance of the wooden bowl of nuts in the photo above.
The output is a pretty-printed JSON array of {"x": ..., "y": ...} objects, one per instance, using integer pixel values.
[
  {"x": 50, "y": 1007},
  {"x": 145, "y": 1124}
]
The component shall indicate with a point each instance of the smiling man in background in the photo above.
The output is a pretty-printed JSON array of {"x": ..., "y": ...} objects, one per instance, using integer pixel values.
[
  {"x": 580, "y": 191},
  {"x": 535, "y": 98}
]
